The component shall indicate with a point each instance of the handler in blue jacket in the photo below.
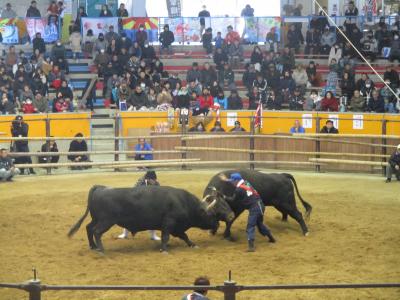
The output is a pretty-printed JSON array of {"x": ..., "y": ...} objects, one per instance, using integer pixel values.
[
  {"x": 251, "y": 200},
  {"x": 143, "y": 146}
]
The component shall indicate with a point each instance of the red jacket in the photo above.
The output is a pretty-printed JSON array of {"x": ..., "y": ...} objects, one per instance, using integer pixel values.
[
  {"x": 331, "y": 104},
  {"x": 206, "y": 101},
  {"x": 61, "y": 107},
  {"x": 231, "y": 37},
  {"x": 28, "y": 108}
]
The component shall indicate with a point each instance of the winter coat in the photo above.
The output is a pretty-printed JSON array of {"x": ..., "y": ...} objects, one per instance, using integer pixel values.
[
  {"x": 357, "y": 104},
  {"x": 331, "y": 104},
  {"x": 75, "y": 39}
]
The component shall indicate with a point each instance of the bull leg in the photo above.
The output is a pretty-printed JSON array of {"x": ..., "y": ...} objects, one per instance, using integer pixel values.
[
  {"x": 100, "y": 228},
  {"x": 183, "y": 236},
  {"x": 164, "y": 241},
  {"x": 89, "y": 231},
  {"x": 284, "y": 217},
  {"x": 295, "y": 214}
]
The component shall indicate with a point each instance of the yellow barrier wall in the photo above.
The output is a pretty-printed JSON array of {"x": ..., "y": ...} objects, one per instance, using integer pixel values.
[{"x": 61, "y": 125}]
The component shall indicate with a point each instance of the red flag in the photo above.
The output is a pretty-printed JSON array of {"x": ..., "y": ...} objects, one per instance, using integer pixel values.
[{"x": 258, "y": 116}]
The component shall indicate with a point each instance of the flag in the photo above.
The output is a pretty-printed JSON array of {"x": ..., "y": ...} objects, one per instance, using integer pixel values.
[{"x": 258, "y": 116}]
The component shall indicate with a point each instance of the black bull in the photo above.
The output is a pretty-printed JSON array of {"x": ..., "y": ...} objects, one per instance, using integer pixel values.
[
  {"x": 171, "y": 210},
  {"x": 275, "y": 190}
]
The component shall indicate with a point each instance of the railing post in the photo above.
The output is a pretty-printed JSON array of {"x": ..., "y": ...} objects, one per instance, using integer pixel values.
[
  {"x": 384, "y": 143},
  {"x": 229, "y": 290},
  {"x": 184, "y": 118},
  {"x": 34, "y": 290},
  {"x": 116, "y": 135},
  {"x": 317, "y": 143},
  {"x": 251, "y": 156},
  {"x": 49, "y": 158}
]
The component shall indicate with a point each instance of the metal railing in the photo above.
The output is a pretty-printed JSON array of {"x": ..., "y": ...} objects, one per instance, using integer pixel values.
[{"x": 229, "y": 288}]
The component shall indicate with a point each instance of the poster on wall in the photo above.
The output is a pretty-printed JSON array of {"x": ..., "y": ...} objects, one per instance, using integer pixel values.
[
  {"x": 335, "y": 120},
  {"x": 176, "y": 26},
  {"x": 231, "y": 118},
  {"x": 307, "y": 121},
  {"x": 49, "y": 32},
  {"x": 131, "y": 26},
  {"x": 358, "y": 122},
  {"x": 98, "y": 25},
  {"x": 266, "y": 25},
  {"x": 9, "y": 31}
]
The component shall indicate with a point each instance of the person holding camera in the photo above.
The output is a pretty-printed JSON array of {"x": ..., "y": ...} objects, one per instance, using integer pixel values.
[{"x": 20, "y": 129}]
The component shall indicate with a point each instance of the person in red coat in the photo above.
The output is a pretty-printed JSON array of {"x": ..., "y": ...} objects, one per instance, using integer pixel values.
[
  {"x": 28, "y": 107},
  {"x": 205, "y": 102},
  {"x": 329, "y": 103},
  {"x": 231, "y": 36},
  {"x": 61, "y": 105}
]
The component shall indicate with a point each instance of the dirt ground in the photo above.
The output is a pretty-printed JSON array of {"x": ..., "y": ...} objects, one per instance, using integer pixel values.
[{"x": 354, "y": 238}]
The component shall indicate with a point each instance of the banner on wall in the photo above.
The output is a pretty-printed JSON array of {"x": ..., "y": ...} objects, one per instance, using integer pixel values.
[
  {"x": 266, "y": 25},
  {"x": 9, "y": 31},
  {"x": 49, "y": 32},
  {"x": 98, "y": 25},
  {"x": 131, "y": 26}
]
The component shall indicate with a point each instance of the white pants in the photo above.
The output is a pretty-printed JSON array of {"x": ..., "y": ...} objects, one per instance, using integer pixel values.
[{"x": 8, "y": 174}]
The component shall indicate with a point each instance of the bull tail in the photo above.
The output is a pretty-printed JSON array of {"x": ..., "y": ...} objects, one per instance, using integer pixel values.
[
  {"x": 306, "y": 205},
  {"x": 78, "y": 224}
]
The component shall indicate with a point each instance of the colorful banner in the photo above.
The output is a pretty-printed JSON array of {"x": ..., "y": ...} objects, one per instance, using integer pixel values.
[
  {"x": 49, "y": 32},
  {"x": 98, "y": 25},
  {"x": 176, "y": 26},
  {"x": 265, "y": 25},
  {"x": 9, "y": 31},
  {"x": 134, "y": 23}
]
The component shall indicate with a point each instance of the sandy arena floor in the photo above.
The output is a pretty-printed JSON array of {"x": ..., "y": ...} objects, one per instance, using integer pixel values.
[{"x": 354, "y": 239}]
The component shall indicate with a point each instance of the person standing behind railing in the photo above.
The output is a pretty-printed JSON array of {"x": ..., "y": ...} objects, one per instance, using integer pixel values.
[
  {"x": 143, "y": 146},
  {"x": 203, "y": 14},
  {"x": 8, "y": 13},
  {"x": 32, "y": 11}
]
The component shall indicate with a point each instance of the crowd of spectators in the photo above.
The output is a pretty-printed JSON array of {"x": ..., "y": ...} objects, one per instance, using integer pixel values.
[{"x": 134, "y": 77}]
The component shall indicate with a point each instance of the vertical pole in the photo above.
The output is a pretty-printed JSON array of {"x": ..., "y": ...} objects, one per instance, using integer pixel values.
[
  {"x": 49, "y": 158},
  {"x": 384, "y": 142},
  {"x": 229, "y": 290},
  {"x": 116, "y": 140},
  {"x": 34, "y": 288},
  {"x": 252, "y": 123},
  {"x": 317, "y": 143},
  {"x": 184, "y": 120}
]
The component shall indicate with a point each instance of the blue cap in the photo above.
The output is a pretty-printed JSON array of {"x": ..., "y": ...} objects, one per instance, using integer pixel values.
[{"x": 235, "y": 177}]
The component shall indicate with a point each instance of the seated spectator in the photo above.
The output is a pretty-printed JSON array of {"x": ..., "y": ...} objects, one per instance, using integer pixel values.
[
  {"x": 58, "y": 51},
  {"x": 329, "y": 128},
  {"x": 238, "y": 127},
  {"x": 40, "y": 103},
  {"x": 207, "y": 75},
  {"x": 25, "y": 94},
  {"x": 199, "y": 127},
  {"x": 65, "y": 91},
  {"x": 384, "y": 38},
  {"x": 194, "y": 73},
  {"x": 205, "y": 102},
  {"x": 231, "y": 36},
  {"x": 198, "y": 294},
  {"x": 234, "y": 101},
  {"x": 152, "y": 98},
  {"x": 235, "y": 52},
  {"x": 148, "y": 52},
  {"x": 221, "y": 100},
  {"x": 393, "y": 166},
  {"x": 61, "y": 105},
  {"x": 220, "y": 58},
  {"x": 165, "y": 97},
  {"x": 297, "y": 128},
  {"x": 274, "y": 101},
  {"x": 296, "y": 101},
  {"x": 138, "y": 99},
  {"x": 286, "y": 60},
  {"x": 395, "y": 48},
  {"x": 347, "y": 85},
  {"x": 32, "y": 11},
  {"x": 329, "y": 102},
  {"x": 207, "y": 41},
  {"x": 328, "y": 39},
  {"x": 7, "y": 168},
  {"x": 38, "y": 43},
  {"x": 217, "y": 127},
  {"x": 166, "y": 39},
  {"x": 366, "y": 89},
  {"x": 272, "y": 40},
  {"x": 335, "y": 53},
  {"x": 7, "y": 107},
  {"x": 300, "y": 77},
  {"x": 313, "y": 102},
  {"x": 183, "y": 98},
  {"x": 78, "y": 145},
  {"x": 219, "y": 41},
  {"x": 369, "y": 46},
  {"x": 254, "y": 98},
  {"x": 388, "y": 97},
  {"x": 362, "y": 83},
  {"x": 357, "y": 102},
  {"x": 313, "y": 40},
  {"x": 100, "y": 44},
  {"x": 313, "y": 77},
  {"x": 194, "y": 88},
  {"x": 249, "y": 76},
  {"x": 226, "y": 77},
  {"x": 392, "y": 75},
  {"x": 51, "y": 147},
  {"x": 262, "y": 86},
  {"x": 143, "y": 146},
  {"x": 376, "y": 103},
  {"x": 125, "y": 42},
  {"x": 27, "y": 106},
  {"x": 105, "y": 11},
  {"x": 113, "y": 48},
  {"x": 287, "y": 86},
  {"x": 294, "y": 39}
]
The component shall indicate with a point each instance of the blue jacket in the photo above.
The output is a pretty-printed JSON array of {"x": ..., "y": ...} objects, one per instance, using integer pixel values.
[
  {"x": 222, "y": 102},
  {"x": 300, "y": 130},
  {"x": 147, "y": 147}
]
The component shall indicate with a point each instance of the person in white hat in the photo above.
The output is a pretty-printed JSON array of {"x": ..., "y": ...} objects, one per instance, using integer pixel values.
[{"x": 394, "y": 166}]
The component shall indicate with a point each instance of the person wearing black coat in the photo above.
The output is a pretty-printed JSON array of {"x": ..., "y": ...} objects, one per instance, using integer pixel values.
[
  {"x": 21, "y": 129},
  {"x": 32, "y": 11},
  {"x": 105, "y": 11},
  {"x": 376, "y": 103},
  {"x": 52, "y": 148},
  {"x": 81, "y": 14},
  {"x": 393, "y": 166},
  {"x": 207, "y": 40},
  {"x": 274, "y": 102},
  {"x": 148, "y": 52},
  {"x": 78, "y": 145},
  {"x": 329, "y": 128},
  {"x": 166, "y": 39},
  {"x": 256, "y": 56},
  {"x": 38, "y": 43},
  {"x": 234, "y": 101},
  {"x": 220, "y": 58}
]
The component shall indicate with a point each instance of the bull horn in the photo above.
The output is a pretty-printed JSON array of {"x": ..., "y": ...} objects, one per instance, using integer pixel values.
[
  {"x": 211, "y": 205},
  {"x": 205, "y": 198}
]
